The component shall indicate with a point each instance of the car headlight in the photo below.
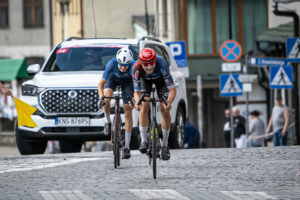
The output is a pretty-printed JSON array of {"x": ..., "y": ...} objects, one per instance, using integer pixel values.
[{"x": 29, "y": 90}]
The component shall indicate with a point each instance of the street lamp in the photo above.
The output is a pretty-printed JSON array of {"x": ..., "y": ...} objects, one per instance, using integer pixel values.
[{"x": 64, "y": 9}]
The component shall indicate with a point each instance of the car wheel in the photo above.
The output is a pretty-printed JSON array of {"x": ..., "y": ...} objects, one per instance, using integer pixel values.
[
  {"x": 70, "y": 146},
  {"x": 177, "y": 136},
  {"x": 27, "y": 147}
]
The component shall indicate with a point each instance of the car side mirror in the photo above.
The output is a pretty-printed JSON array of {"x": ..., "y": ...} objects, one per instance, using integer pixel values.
[{"x": 33, "y": 69}]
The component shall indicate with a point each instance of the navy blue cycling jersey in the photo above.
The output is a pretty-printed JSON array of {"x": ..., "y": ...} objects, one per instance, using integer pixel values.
[
  {"x": 161, "y": 70},
  {"x": 112, "y": 67}
]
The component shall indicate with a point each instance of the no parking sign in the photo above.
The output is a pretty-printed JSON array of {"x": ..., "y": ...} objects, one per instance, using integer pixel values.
[{"x": 231, "y": 51}]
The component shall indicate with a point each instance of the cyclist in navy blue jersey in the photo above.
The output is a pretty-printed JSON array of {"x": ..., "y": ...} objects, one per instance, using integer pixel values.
[
  {"x": 118, "y": 72},
  {"x": 147, "y": 70}
]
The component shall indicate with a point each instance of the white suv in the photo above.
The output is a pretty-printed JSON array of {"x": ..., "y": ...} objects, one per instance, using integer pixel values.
[{"x": 64, "y": 91}]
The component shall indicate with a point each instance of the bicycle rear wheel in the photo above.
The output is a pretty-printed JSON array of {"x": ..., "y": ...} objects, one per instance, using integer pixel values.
[
  {"x": 154, "y": 153},
  {"x": 116, "y": 147}
]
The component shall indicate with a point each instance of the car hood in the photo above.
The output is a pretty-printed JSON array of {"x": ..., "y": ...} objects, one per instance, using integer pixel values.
[{"x": 66, "y": 79}]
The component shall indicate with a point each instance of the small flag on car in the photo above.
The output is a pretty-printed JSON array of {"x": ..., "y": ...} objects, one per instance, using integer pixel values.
[{"x": 24, "y": 111}]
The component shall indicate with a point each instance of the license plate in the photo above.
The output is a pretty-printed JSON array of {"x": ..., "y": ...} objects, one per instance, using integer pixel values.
[{"x": 72, "y": 121}]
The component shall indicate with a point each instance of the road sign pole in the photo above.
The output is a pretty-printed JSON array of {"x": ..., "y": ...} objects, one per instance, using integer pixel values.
[
  {"x": 296, "y": 100},
  {"x": 293, "y": 56},
  {"x": 247, "y": 114},
  {"x": 231, "y": 122},
  {"x": 230, "y": 20},
  {"x": 200, "y": 110}
]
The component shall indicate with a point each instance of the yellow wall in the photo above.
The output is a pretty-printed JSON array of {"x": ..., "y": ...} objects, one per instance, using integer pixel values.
[{"x": 73, "y": 20}]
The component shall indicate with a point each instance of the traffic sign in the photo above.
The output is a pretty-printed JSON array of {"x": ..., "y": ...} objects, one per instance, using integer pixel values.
[
  {"x": 248, "y": 78},
  {"x": 293, "y": 49},
  {"x": 281, "y": 77},
  {"x": 231, "y": 51},
  {"x": 231, "y": 67},
  {"x": 178, "y": 51},
  {"x": 247, "y": 87},
  {"x": 263, "y": 62},
  {"x": 230, "y": 85}
]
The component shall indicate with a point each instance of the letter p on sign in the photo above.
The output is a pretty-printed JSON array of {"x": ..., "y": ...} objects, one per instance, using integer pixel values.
[{"x": 176, "y": 49}]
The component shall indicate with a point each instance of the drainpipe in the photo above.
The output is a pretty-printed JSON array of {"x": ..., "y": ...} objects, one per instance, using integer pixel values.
[
  {"x": 288, "y": 14},
  {"x": 51, "y": 25},
  {"x": 295, "y": 91}
]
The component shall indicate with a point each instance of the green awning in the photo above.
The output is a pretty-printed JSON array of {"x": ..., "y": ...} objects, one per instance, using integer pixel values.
[
  {"x": 11, "y": 69},
  {"x": 277, "y": 34}
]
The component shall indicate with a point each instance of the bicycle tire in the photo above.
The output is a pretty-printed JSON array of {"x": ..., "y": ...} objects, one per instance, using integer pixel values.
[
  {"x": 154, "y": 153},
  {"x": 116, "y": 143},
  {"x": 119, "y": 139}
]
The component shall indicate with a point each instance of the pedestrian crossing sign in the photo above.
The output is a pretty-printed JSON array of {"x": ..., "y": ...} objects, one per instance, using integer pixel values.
[
  {"x": 293, "y": 49},
  {"x": 230, "y": 85},
  {"x": 281, "y": 77}
]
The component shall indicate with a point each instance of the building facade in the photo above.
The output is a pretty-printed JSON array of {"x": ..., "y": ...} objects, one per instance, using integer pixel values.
[
  {"x": 67, "y": 20},
  {"x": 25, "y": 30},
  {"x": 204, "y": 25},
  {"x": 113, "y": 19}
]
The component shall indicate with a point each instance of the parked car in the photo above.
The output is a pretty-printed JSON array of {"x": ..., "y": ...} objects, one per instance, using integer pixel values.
[{"x": 64, "y": 91}]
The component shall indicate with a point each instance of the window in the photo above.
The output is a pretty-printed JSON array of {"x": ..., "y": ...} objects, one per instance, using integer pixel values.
[
  {"x": 199, "y": 27},
  {"x": 3, "y": 13},
  {"x": 256, "y": 11},
  {"x": 222, "y": 21},
  {"x": 165, "y": 55},
  {"x": 33, "y": 13},
  {"x": 208, "y": 24},
  {"x": 83, "y": 58}
]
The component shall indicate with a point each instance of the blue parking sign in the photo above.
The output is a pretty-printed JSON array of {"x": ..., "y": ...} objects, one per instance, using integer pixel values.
[{"x": 178, "y": 51}]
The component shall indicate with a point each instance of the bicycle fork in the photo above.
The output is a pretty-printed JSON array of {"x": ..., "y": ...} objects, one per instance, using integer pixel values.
[{"x": 150, "y": 150}]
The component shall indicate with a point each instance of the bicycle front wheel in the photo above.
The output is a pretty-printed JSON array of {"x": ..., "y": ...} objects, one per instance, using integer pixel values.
[
  {"x": 154, "y": 149},
  {"x": 116, "y": 146}
]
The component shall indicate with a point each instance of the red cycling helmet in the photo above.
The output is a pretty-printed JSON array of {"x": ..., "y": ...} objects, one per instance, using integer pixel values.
[{"x": 147, "y": 55}]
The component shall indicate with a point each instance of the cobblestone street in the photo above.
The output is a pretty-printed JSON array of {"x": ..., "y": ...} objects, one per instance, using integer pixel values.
[{"x": 257, "y": 173}]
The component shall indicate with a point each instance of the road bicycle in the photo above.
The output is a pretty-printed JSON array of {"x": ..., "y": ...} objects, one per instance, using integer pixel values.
[
  {"x": 153, "y": 136},
  {"x": 117, "y": 135}
]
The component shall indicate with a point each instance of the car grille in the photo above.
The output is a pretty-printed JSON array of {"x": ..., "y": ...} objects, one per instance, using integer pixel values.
[
  {"x": 70, "y": 101},
  {"x": 79, "y": 129}
]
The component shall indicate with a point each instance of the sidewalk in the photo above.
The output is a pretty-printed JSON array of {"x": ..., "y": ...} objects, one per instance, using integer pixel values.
[
  {"x": 8, "y": 144},
  {"x": 9, "y": 151},
  {"x": 7, "y": 138}
]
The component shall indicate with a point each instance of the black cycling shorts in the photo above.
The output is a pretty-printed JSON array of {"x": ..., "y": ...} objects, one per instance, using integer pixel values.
[
  {"x": 161, "y": 88},
  {"x": 126, "y": 84}
]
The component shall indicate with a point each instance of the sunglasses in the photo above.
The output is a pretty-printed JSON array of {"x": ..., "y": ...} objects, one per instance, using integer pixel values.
[
  {"x": 124, "y": 65},
  {"x": 145, "y": 64}
]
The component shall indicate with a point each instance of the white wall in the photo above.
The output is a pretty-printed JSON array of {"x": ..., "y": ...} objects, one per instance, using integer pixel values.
[
  {"x": 274, "y": 20},
  {"x": 113, "y": 18},
  {"x": 20, "y": 42}
]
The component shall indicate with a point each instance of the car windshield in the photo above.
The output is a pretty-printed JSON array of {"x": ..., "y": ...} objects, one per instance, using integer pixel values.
[{"x": 77, "y": 58}]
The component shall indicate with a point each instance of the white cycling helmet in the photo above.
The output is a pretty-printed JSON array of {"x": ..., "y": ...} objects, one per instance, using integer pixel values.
[{"x": 124, "y": 56}]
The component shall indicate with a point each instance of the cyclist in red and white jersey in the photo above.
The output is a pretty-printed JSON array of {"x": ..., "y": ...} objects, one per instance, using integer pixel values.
[{"x": 151, "y": 68}]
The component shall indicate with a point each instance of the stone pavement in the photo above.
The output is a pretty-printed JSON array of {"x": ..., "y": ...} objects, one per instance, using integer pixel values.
[{"x": 252, "y": 173}]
